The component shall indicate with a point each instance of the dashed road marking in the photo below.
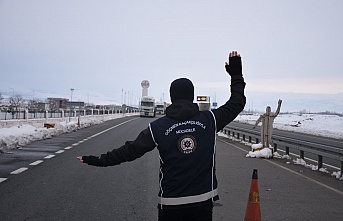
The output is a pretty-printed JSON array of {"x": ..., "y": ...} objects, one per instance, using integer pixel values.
[
  {"x": 36, "y": 163},
  {"x": 20, "y": 170},
  {"x": 49, "y": 156}
]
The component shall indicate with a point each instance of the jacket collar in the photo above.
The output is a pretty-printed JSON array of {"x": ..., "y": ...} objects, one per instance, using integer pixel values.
[{"x": 182, "y": 110}]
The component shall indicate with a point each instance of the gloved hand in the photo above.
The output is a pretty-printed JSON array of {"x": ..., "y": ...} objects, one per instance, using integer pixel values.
[{"x": 234, "y": 68}]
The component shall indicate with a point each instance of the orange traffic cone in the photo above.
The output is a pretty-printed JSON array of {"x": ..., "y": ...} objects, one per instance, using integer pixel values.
[{"x": 253, "y": 212}]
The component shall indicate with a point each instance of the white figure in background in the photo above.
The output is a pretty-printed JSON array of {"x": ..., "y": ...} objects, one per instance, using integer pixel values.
[{"x": 267, "y": 120}]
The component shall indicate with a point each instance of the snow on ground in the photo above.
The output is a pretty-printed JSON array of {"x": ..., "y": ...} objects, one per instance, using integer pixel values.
[
  {"x": 16, "y": 136},
  {"x": 315, "y": 124},
  {"x": 321, "y": 125}
]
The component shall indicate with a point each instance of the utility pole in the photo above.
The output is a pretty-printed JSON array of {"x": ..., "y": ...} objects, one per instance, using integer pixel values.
[{"x": 71, "y": 101}]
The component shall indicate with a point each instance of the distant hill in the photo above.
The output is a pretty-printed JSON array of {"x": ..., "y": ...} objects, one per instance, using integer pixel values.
[{"x": 292, "y": 102}]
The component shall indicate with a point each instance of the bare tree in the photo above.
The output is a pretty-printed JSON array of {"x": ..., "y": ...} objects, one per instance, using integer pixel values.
[{"x": 16, "y": 101}]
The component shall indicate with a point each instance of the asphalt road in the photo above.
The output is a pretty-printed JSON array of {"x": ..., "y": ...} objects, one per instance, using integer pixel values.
[{"x": 61, "y": 188}]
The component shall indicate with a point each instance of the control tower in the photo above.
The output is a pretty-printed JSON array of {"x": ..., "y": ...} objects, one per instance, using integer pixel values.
[{"x": 145, "y": 85}]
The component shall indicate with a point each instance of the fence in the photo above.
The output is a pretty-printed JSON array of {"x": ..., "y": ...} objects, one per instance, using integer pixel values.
[
  {"x": 29, "y": 114},
  {"x": 38, "y": 118}
]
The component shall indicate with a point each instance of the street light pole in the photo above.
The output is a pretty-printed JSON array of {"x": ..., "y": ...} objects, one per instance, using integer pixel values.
[{"x": 71, "y": 101}]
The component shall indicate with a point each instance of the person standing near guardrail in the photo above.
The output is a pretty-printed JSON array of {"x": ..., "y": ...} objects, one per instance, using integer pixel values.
[
  {"x": 267, "y": 120},
  {"x": 185, "y": 139}
]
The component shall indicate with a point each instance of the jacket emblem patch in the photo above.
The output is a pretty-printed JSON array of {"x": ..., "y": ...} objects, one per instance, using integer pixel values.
[{"x": 187, "y": 144}]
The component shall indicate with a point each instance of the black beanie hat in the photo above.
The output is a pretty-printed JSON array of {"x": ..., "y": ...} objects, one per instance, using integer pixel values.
[{"x": 181, "y": 88}]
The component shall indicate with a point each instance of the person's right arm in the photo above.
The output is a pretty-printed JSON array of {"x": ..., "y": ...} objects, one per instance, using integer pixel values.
[{"x": 130, "y": 151}]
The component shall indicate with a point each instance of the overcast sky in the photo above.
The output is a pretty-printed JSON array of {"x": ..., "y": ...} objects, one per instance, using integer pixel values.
[{"x": 105, "y": 48}]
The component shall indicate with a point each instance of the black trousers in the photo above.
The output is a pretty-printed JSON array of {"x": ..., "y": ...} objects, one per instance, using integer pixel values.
[{"x": 199, "y": 213}]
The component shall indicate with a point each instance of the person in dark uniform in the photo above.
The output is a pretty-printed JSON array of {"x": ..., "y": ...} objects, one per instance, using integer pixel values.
[{"x": 186, "y": 141}]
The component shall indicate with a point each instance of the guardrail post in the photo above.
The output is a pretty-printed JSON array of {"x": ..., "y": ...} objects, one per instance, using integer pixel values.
[
  {"x": 275, "y": 147},
  {"x": 302, "y": 154},
  {"x": 320, "y": 161},
  {"x": 341, "y": 168},
  {"x": 26, "y": 115},
  {"x": 287, "y": 150},
  {"x": 243, "y": 137},
  {"x": 249, "y": 139},
  {"x": 257, "y": 141},
  {"x": 237, "y": 135}
]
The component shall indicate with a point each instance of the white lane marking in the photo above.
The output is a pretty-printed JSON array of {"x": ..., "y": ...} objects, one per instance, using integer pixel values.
[
  {"x": 60, "y": 151},
  {"x": 36, "y": 163},
  {"x": 2, "y": 179},
  {"x": 94, "y": 135},
  {"x": 20, "y": 170},
  {"x": 75, "y": 144},
  {"x": 289, "y": 170},
  {"x": 49, "y": 156}
]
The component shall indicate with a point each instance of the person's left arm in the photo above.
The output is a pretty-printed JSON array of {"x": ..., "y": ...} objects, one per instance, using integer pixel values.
[{"x": 229, "y": 111}]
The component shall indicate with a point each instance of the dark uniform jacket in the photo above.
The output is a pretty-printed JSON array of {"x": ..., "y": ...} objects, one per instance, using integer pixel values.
[
  {"x": 185, "y": 139},
  {"x": 187, "y": 154}
]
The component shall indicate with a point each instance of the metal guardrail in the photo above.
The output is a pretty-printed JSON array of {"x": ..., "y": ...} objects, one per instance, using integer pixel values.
[{"x": 303, "y": 146}]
